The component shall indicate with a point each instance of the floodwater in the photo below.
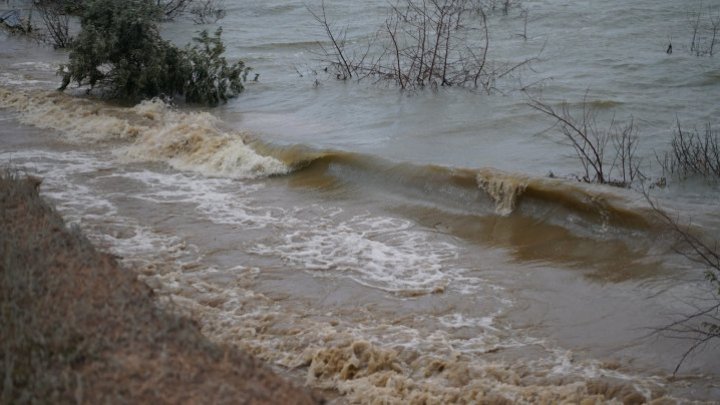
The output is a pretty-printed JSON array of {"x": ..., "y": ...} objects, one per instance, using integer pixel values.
[{"x": 402, "y": 246}]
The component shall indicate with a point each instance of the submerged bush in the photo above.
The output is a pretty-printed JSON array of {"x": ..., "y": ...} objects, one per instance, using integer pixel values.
[
  {"x": 705, "y": 29},
  {"x": 421, "y": 44},
  {"x": 211, "y": 80},
  {"x": 693, "y": 154},
  {"x": 120, "y": 50},
  {"x": 618, "y": 167}
]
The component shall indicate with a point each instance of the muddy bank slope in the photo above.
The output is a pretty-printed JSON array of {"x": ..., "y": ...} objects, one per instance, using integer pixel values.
[{"x": 75, "y": 327}]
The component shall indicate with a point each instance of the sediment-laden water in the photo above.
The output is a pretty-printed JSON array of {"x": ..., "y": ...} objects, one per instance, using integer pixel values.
[{"x": 400, "y": 247}]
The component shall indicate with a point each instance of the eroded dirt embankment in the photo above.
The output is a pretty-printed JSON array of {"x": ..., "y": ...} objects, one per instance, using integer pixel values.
[{"x": 75, "y": 327}]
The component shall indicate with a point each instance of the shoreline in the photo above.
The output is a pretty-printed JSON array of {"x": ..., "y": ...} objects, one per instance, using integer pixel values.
[{"x": 77, "y": 327}]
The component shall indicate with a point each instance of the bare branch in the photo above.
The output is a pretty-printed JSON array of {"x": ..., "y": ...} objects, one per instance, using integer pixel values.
[
  {"x": 589, "y": 143},
  {"x": 322, "y": 19},
  {"x": 703, "y": 325},
  {"x": 426, "y": 43}
]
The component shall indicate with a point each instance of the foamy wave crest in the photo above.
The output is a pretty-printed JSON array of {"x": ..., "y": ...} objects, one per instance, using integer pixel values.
[
  {"x": 155, "y": 132},
  {"x": 504, "y": 189},
  {"x": 603, "y": 204},
  {"x": 193, "y": 141},
  {"x": 76, "y": 119}
]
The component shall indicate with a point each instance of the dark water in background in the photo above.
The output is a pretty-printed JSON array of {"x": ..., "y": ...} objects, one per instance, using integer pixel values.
[{"x": 390, "y": 245}]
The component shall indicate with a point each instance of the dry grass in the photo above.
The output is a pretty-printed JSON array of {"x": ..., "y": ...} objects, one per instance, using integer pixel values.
[{"x": 75, "y": 327}]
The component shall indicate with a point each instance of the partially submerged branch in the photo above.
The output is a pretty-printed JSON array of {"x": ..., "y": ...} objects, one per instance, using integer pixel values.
[
  {"x": 422, "y": 43},
  {"x": 172, "y": 8},
  {"x": 703, "y": 324},
  {"x": 693, "y": 154},
  {"x": 589, "y": 142},
  {"x": 705, "y": 31},
  {"x": 207, "y": 11},
  {"x": 338, "y": 43},
  {"x": 56, "y": 19}
]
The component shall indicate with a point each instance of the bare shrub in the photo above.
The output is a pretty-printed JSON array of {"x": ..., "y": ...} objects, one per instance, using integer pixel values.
[
  {"x": 56, "y": 21},
  {"x": 172, "y": 8},
  {"x": 589, "y": 141},
  {"x": 693, "y": 154},
  {"x": 624, "y": 138},
  {"x": 702, "y": 325},
  {"x": 207, "y": 11},
  {"x": 422, "y": 43},
  {"x": 336, "y": 57},
  {"x": 705, "y": 29},
  {"x": 503, "y": 5},
  {"x": 524, "y": 13}
]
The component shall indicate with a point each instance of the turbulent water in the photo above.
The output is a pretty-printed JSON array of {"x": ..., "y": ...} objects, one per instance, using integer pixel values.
[{"x": 396, "y": 247}]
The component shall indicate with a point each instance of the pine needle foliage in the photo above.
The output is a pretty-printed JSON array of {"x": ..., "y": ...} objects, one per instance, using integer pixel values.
[{"x": 120, "y": 51}]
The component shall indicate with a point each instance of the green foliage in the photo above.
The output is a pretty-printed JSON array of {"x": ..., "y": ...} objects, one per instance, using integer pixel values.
[
  {"x": 120, "y": 50},
  {"x": 212, "y": 80}
]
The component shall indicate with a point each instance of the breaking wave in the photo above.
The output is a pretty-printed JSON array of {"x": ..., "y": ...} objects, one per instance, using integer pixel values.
[
  {"x": 196, "y": 141},
  {"x": 483, "y": 191},
  {"x": 149, "y": 131}
]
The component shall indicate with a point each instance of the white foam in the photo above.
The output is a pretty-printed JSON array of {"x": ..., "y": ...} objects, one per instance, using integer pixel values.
[
  {"x": 139, "y": 244},
  {"x": 82, "y": 205},
  {"x": 219, "y": 200},
  {"x": 380, "y": 252},
  {"x": 56, "y": 169},
  {"x": 10, "y": 79},
  {"x": 458, "y": 320},
  {"x": 48, "y": 67}
]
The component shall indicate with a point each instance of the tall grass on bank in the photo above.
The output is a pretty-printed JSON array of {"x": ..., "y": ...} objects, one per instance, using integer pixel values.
[{"x": 75, "y": 327}]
